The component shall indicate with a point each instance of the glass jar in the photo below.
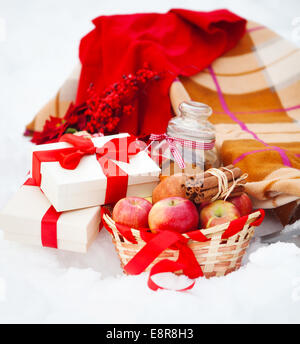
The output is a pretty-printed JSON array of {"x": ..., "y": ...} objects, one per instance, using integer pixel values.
[{"x": 194, "y": 137}]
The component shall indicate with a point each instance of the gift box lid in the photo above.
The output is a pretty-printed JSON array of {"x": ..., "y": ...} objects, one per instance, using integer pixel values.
[
  {"x": 23, "y": 214},
  {"x": 141, "y": 169},
  {"x": 86, "y": 185}
]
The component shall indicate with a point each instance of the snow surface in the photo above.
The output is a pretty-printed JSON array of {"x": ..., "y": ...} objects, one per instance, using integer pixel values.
[{"x": 38, "y": 49}]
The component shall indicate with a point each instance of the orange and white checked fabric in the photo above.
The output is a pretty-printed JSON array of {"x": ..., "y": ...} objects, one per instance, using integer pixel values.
[{"x": 254, "y": 91}]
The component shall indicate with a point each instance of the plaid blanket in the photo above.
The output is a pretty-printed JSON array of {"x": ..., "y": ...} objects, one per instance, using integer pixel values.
[{"x": 254, "y": 91}]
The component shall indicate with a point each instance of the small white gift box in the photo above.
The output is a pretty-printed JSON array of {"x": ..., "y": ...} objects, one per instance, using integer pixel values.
[
  {"x": 29, "y": 218},
  {"x": 87, "y": 185}
]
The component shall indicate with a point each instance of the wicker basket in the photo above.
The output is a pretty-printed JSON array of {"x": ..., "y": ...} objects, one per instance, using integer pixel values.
[{"x": 217, "y": 257}]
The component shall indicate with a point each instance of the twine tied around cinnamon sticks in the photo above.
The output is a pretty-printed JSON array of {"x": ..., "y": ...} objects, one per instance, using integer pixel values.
[
  {"x": 223, "y": 185},
  {"x": 215, "y": 184}
]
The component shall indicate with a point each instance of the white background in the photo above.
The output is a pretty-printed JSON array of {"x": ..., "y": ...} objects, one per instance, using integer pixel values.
[{"x": 38, "y": 49}]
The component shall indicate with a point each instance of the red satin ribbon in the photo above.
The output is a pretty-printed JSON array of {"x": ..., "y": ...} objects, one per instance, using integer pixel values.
[
  {"x": 49, "y": 228},
  {"x": 156, "y": 244},
  {"x": 70, "y": 159},
  {"x": 165, "y": 265},
  {"x": 153, "y": 249},
  {"x": 48, "y": 223},
  {"x": 186, "y": 261},
  {"x": 30, "y": 182},
  {"x": 118, "y": 149}
]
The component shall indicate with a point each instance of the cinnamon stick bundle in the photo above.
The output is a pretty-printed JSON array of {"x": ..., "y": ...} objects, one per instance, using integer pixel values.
[
  {"x": 201, "y": 187},
  {"x": 206, "y": 181}
]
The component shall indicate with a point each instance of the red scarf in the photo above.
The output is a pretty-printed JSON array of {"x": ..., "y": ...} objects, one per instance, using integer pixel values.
[{"x": 179, "y": 42}]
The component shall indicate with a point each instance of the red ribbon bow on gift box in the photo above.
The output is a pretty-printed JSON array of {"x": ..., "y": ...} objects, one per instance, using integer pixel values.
[{"x": 117, "y": 149}]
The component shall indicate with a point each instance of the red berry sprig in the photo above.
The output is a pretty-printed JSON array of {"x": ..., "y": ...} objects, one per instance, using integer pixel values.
[{"x": 100, "y": 113}]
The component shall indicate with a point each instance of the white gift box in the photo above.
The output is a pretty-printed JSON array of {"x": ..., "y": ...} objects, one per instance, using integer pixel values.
[
  {"x": 86, "y": 185},
  {"x": 21, "y": 221}
]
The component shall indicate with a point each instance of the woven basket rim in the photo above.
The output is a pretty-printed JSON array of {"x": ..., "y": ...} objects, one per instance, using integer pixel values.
[{"x": 209, "y": 231}]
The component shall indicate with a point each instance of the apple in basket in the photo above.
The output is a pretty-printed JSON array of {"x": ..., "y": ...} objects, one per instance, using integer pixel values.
[
  {"x": 132, "y": 212},
  {"x": 175, "y": 214},
  {"x": 243, "y": 204},
  {"x": 218, "y": 212}
]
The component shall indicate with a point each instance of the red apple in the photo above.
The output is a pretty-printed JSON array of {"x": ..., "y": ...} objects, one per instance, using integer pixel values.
[
  {"x": 175, "y": 214},
  {"x": 132, "y": 212},
  {"x": 218, "y": 212},
  {"x": 243, "y": 204}
]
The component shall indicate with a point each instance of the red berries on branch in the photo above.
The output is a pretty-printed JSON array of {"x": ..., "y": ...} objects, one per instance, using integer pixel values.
[{"x": 100, "y": 113}]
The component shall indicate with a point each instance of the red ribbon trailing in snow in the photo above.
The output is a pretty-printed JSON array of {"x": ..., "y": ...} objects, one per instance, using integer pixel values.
[{"x": 117, "y": 149}]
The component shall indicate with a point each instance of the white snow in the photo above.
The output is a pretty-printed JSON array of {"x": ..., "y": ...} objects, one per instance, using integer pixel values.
[{"x": 38, "y": 49}]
